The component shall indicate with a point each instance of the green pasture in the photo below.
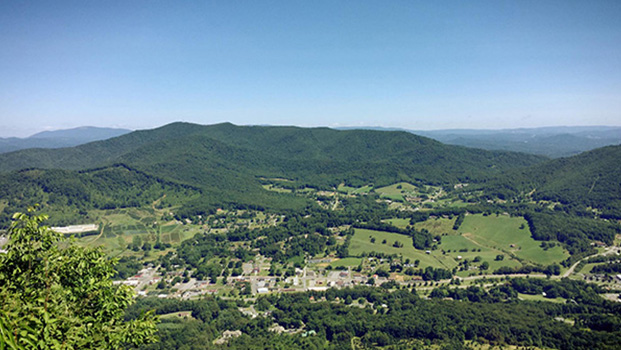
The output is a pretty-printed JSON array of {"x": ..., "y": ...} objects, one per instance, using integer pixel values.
[
  {"x": 361, "y": 243},
  {"x": 457, "y": 243},
  {"x": 121, "y": 226},
  {"x": 276, "y": 189},
  {"x": 346, "y": 262},
  {"x": 397, "y": 191},
  {"x": 352, "y": 190},
  {"x": 540, "y": 297},
  {"x": 503, "y": 233},
  {"x": 437, "y": 226},
  {"x": 401, "y": 223},
  {"x": 176, "y": 315}
]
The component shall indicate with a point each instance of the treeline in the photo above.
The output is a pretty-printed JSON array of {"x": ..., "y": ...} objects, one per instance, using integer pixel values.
[{"x": 575, "y": 233}]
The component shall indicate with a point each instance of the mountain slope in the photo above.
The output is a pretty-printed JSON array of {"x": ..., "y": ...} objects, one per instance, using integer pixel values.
[
  {"x": 68, "y": 195},
  {"x": 287, "y": 151},
  {"x": 588, "y": 179}
]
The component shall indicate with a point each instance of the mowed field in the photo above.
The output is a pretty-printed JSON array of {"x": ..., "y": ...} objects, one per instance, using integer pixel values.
[
  {"x": 503, "y": 233},
  {"x": 437, "y": 226},
  {"x": 397, "y": 191},
  {"x": 352, "y": 190},
  {"x": 480, "y": 237},
  {"x": 361, "y": 243}
]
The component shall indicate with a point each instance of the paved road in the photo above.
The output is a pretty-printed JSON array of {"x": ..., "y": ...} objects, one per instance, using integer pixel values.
[{"x": 607, "y": 251}]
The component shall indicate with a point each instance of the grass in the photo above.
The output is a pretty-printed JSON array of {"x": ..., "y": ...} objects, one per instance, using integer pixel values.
[
  {"x": 437, "y": 226},
  {"x": 176, "y": 315},
  {"x": 503, "y": 233},
  {"x": 352, "y": 190},
  {"x": 455, "y": 243},
  {"x": 397, "y": 191},
  {"x": 401, "y": 223},
  {"x": 121, "y": 226},
  {"x": 539, "y": 297},
  {"x": 484, "y": 237},
  {"x": 346, "y": 262},
  {"x": 361, "y": 243},
  {"x": 276, "y": 189}
]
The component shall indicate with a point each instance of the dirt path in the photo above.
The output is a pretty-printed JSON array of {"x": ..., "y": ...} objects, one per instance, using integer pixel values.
[{"x": 468, "y": 236}]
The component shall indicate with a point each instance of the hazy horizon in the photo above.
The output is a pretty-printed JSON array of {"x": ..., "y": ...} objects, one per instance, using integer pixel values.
[
  {"x": 411, "y": 65},
  {"x": 333, "y": 127}
]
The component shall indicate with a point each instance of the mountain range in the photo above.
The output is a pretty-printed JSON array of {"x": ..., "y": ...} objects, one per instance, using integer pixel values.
[
  {"x": 553, "y": 142},
  {"x": 60, "y": 138},
  {"x": 222, "y": 165}
]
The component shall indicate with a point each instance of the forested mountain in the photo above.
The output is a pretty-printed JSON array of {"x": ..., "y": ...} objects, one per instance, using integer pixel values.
[
  {"x": 60, "y": 138},
  {"x": 227, "y": 162},
  {"x": 289, "y": 146},
  {"x": 589, "y": 179}
]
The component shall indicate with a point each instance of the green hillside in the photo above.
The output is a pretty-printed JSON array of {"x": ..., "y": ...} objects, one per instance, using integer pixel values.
[
  {"x": 307, "y": 153},
  {"x": 68, "y": 195},
  {"x": 590, "y": 179}
]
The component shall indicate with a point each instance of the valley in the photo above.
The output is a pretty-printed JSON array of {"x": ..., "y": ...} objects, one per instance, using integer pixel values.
[{"x": 263, "y": 230}]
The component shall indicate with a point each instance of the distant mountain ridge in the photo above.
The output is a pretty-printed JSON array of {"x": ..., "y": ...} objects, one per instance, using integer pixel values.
[
  {"x": 555, "y": 142},
  {"x": 60, "y": 138}
]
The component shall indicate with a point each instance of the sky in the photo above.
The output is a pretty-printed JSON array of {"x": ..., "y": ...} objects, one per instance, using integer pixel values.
[{"x": 410, "y": 64}]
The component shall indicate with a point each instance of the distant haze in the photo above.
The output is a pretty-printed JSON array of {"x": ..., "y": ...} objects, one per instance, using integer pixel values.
[{"x": 414, "y": 65}]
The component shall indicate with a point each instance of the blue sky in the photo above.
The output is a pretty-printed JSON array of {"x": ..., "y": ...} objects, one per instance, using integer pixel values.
[{"x": 410, "y": 64}]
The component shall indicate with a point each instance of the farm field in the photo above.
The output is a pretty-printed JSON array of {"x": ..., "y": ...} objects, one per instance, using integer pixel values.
[
  {"x": 397, "y": 191},
  {"x": 540, "y": 297},
  {"x": 346, "y": 262},
  {"x": 437, "y": 226},
  {"x": 276, "y": 189},
  {"x": 503, "y": 233},
  {"x": 456, "y": 243},
  {"x": 120, "y": 228},
  {"x": 352, "y": 190},
  {"x": 401, "y": 223},
  {"x": 361, "y": 243}
]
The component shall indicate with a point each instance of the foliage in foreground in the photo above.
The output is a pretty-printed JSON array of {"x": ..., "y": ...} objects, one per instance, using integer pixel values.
[{"x": 56, "y": 295}]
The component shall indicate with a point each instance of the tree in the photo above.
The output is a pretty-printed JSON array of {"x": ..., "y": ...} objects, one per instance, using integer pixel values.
[{"x": 57, "y": 295}]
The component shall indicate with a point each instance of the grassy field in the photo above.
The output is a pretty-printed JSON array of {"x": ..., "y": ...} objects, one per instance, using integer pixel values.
[
  {"x": 352, "y": 190},
  {"x": 503, "y": 233},
  {"x": 276, "y": 189},
  {"x": 346, "y": 262},
  {"x": 177, "y": 315},
  {"x": 397, "y": 191},
  {"x": 121, "y": 226},
  {"x": 361, "y": 243},
  {"x": 480, "y": 237},
  {"x": 402, "y": 223},
  {"x": 437, "y": 226},
  {"x": 456, "y": 243},
  {"x": 540, "y": 297}
]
